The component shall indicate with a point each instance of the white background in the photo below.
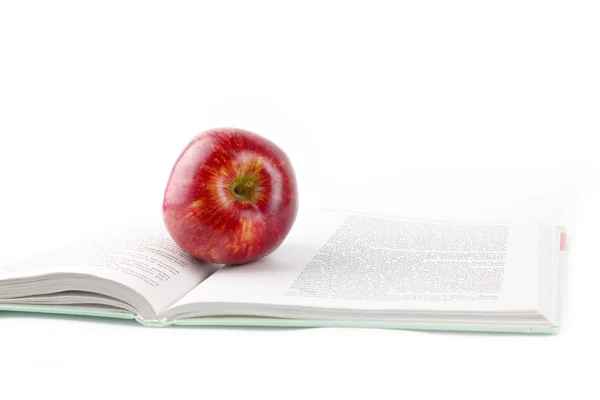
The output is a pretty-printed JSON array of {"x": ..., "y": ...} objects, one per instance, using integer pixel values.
[{"x": 417, "y": 108}]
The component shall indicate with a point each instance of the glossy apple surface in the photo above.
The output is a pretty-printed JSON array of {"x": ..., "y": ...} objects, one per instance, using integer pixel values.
[{"x": 231, "y": 198}]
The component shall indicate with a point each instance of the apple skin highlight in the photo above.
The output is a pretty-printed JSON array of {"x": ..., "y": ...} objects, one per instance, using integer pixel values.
[{"x": 231, "y": 198}]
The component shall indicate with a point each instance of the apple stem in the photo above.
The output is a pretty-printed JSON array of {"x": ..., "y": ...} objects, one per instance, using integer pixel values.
[{"x": 239, "y": 189}]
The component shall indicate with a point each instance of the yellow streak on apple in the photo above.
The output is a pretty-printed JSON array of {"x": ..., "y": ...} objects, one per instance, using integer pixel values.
[
  {"x": 247, "y": 228},
  {"x": 197, "y": 203}
]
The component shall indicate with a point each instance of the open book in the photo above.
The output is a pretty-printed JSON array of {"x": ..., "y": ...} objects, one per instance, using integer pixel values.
[{"x": 334, "y": 269}]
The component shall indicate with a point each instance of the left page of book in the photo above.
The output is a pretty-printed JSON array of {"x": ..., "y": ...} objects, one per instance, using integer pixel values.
[{"x": 145, "y": 260}]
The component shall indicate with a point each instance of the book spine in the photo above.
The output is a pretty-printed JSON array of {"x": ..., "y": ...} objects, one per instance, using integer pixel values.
[{"x": 153, "y": 323}]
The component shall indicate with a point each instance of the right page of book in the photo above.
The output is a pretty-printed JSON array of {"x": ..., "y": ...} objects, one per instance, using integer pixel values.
[{"x": 335, "y": 259}]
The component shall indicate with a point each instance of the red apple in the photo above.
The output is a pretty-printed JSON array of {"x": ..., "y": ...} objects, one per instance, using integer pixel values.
[{"x": 232, "y": 197}]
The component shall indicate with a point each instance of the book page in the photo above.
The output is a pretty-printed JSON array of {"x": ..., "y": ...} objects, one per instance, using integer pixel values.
[
  {"x": 146, "y": 260},
  {"x": 359, "y": 261}
]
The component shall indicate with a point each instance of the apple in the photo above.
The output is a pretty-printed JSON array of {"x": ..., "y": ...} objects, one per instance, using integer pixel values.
[{"x": 231, "y": 198}]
